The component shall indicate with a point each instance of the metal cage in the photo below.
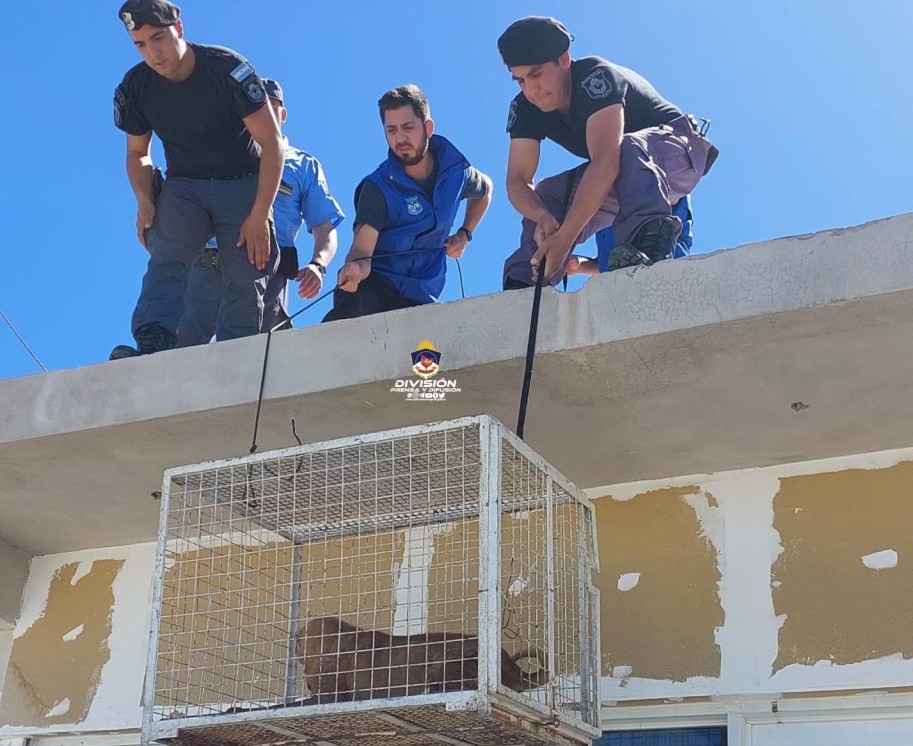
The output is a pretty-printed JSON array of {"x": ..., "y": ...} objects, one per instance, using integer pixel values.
[{"x": 420, "y": 585}]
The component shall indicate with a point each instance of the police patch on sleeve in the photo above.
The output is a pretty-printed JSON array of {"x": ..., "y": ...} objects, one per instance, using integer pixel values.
[
  {"x": 597, "y": 85},
  {"x": 254, "y": 91},
  {"x": 120, "y": 101},
  {"x": 241, "y": 72},
  {"x": 512, "y": 115}
]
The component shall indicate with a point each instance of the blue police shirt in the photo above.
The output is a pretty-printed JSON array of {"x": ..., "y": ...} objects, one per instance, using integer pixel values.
[{"x": 303, "y": 197}]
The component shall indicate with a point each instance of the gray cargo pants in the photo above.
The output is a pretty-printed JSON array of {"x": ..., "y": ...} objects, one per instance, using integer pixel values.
[
  {"x": 659, "y": 166},
  {"x": 187, "y": 213}
]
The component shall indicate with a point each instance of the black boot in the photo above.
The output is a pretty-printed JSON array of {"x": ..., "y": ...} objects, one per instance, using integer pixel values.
[
  {"x": 149, "y": 338},
  {"x": 653, "y": 242}
]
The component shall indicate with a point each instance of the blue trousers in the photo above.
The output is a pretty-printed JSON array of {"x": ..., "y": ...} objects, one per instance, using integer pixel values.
[
  {"x": 203, "y": 299},
  {"x": 187, "y": 213}
]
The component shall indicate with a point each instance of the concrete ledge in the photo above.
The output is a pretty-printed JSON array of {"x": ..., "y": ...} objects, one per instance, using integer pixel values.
[
  {"x": 755, "y": 280},
  {"x": 689, "y": 366}
]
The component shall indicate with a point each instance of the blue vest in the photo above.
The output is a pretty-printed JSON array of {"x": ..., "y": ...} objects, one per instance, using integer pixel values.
[{"x": 415, "y": 222}]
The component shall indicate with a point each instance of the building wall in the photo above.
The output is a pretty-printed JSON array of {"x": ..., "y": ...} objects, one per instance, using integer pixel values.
[
  {"x": 785, "y": 580},
  {"x": 78, "y": 654},
  {"x": 792, "y": 578}
]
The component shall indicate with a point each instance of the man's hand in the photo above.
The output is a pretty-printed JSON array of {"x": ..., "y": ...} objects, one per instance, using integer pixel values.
[
  {"x": 254, "y": 235},
  {"x": 553, "y": 250},
  {"x": 353, "y": 274},
  {"x": 547, "y": 225},
  {"x": 456, "y": 245},
  {"x": 145, "y": 215},
  {"x": 310, "y": 280}
]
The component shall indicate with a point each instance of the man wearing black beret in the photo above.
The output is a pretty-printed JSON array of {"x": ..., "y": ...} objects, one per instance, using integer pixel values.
[
  {"x": 224, "y": 156},
  {"x": 642, "y": 154}
]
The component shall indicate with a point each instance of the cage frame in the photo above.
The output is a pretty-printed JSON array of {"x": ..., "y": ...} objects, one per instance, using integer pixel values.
[{"x": 490, "y": 697}]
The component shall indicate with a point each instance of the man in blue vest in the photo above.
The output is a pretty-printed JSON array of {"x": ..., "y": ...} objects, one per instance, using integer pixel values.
[{"x": 404, "y": 212}]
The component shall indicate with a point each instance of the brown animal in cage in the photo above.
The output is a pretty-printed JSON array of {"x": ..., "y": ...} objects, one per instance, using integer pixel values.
[{"x": 343, "y": 662}]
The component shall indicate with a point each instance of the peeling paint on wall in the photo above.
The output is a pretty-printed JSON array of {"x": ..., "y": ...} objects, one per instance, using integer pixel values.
[
  {"x": 53, "y": 672},
  {"x": 837, "y": 608},
  {"x": 664, "y": 625}
]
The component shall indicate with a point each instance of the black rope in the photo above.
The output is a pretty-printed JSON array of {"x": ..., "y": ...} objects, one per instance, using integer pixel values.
[
  {"x": 530, "y": 350},
  {"x": 26, "y": 344},
  {"x": 253, "y": 440},
  {"x": 460, "y": 272},
  {"x": 269, "y": 336},
  {"x": 286, "y": 323},
  {"x": 534, "y": 316}
]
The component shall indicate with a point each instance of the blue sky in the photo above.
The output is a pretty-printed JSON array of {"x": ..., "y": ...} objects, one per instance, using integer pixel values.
[{"x": 810, "y": 102}]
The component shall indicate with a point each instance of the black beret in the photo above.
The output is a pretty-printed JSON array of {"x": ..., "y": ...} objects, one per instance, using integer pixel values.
[
  {"x": 273, "y": 90},
  {"x": 533, "y": 40},
  {"x": 134, "y": 13}
]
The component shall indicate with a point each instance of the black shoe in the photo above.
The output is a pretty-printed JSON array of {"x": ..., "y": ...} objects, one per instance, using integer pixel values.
[
  {"x": 123, "y": 351},
  {"x": 150, "y": 338},
  {"x": 653, "y": 242}
]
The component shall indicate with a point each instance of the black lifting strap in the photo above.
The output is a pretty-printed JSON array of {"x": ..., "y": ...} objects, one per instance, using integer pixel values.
[
  {"x": 534, "y": 316},
  {"x": 530, "y": 350}
]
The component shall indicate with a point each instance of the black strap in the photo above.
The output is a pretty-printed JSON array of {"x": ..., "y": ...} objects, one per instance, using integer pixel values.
[{"x": 530, "y": 351}]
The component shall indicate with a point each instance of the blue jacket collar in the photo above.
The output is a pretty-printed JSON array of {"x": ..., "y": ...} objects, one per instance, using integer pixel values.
[{"x": 444, "y": 151}]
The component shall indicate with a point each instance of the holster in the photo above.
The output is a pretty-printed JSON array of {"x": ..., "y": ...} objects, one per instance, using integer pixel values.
[
  {"x": 158, "y": 182},
  {"x": 288, "y": 262}
]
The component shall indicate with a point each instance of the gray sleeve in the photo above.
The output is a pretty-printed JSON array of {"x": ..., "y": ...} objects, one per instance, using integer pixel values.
[{"x": 477, "y": 185}]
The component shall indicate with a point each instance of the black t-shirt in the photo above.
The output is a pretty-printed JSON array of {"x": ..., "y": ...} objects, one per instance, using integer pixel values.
[
  {"x": 596, "y": 84},
  {"x": 371, "y": 207},
  {"x": 200, "y": 119}
]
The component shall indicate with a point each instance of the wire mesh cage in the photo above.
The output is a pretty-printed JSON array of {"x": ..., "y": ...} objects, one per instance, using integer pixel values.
[{"x": 427, "y": 584}]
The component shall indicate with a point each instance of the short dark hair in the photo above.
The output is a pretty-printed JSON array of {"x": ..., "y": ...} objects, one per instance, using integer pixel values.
[{"x": 405, "y": 95}]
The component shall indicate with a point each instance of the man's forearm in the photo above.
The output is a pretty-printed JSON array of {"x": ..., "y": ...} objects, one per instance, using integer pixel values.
[
  {"x": 325, "y": 243},
  {"x": 475, "y": 211},
  {"x": 595, "y": 184},
  {"x": 139, "y": 172},
  {"x": 524, "y": 198},
  {"x": 271, "y": 163},
  {"x": 360, "y": 249}
]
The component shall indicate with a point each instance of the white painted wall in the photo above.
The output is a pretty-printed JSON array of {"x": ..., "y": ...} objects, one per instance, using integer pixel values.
[
  {"x": 118, "y": 700},
  {"x": 741, "y": 530}
]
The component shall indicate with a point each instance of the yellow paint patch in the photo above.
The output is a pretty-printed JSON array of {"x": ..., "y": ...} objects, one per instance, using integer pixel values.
[
  {"x": 665, "y": 626},
  {"x": 453, "y": 580},
  {"x": 836, "y": 608},
  {"x": 45, "y": 670}
]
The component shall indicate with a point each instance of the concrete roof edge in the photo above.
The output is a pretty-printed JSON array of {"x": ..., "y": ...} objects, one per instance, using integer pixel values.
[{"x": 759, "y": 279}]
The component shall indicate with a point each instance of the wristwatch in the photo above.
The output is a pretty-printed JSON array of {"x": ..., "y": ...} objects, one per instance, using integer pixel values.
[
  {"x": 320, "y": 267},
  {"x": 465, "y": 230}
]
